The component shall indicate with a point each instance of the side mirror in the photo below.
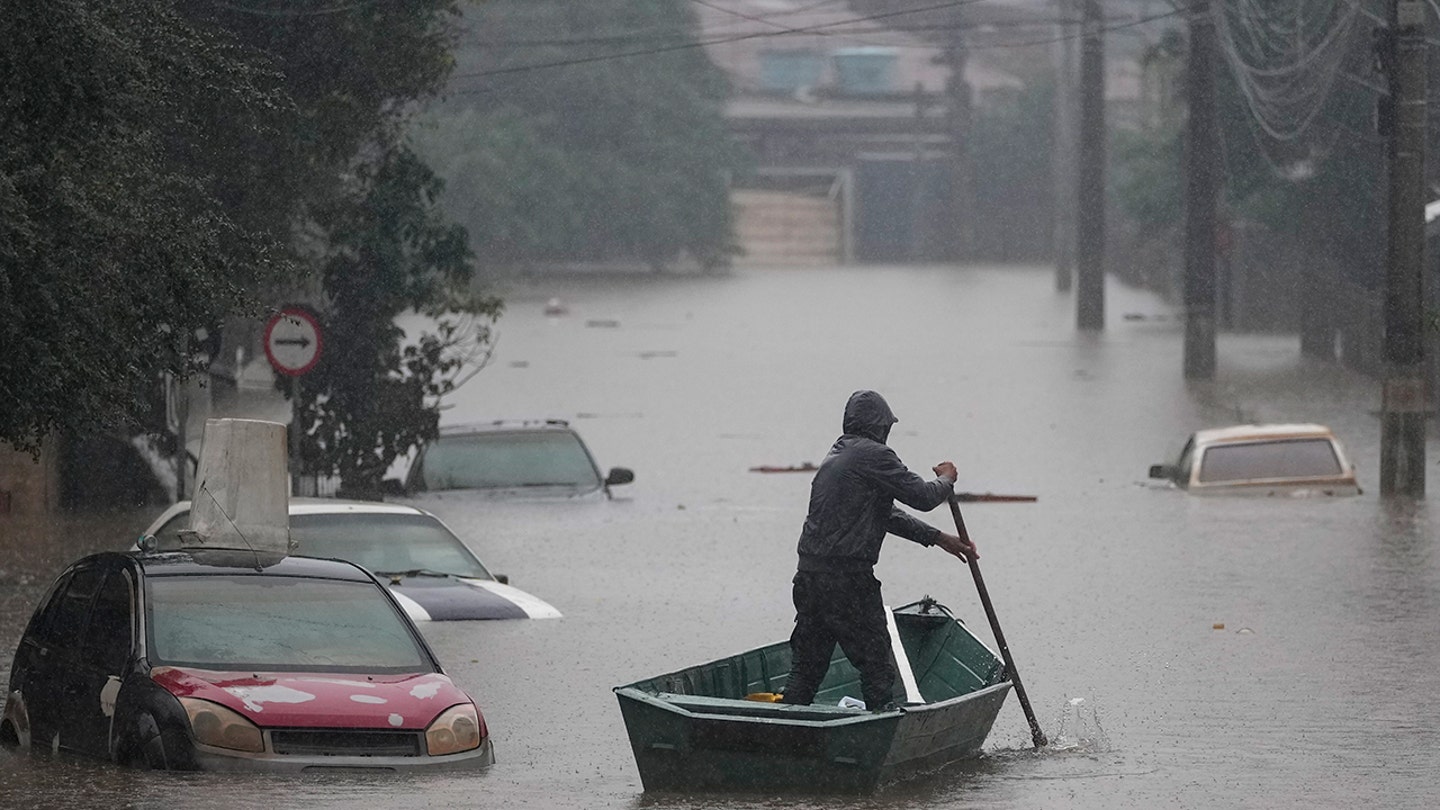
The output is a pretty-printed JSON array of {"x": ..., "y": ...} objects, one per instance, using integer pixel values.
[
  {"x": 1162, "y": 471},
  {"x": 503, "y": 579},
  {"x": 392, "y": 486},
  {"x": 619, "y": 475}
]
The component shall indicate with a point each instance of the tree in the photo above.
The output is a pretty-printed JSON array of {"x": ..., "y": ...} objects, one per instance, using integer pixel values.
[
  {"x": 370, "y": 403},
  {"x": 170, "y": 165},
  {"x": 558, "y": 146},
  {"x": 114, "y": 252},
  {"x": 1325, "y": 189},
  {"x": 370, "y": 230}
]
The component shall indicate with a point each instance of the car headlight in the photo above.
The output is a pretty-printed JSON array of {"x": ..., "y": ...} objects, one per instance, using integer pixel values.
[
  {"x": 458, "y": 728},
  {"x": 218, "y": 726}
]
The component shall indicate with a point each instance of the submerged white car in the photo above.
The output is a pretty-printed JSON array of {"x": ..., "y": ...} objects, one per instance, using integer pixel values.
[
  {"x": 1278, "y": 459},
  {"x": 430, "y": 571}
]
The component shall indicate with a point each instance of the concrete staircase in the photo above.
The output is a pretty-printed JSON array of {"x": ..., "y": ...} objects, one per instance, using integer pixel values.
[{"x": 778, "y": 228}]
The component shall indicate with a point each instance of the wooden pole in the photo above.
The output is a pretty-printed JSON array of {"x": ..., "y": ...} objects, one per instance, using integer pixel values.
[
  {"x": 1202, "y": 173},
  {"x": 1090, "y": 210},
  {"x": 1036, "y": 735},
  {"x": 1403, "y": 410}
]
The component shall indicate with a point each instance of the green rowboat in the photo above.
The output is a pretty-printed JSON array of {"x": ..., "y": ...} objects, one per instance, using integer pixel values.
[{"x": 695, "y": 729}]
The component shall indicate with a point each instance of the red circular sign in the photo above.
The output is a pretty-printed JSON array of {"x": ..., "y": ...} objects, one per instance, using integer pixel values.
[{"x": 292, "y": 341}]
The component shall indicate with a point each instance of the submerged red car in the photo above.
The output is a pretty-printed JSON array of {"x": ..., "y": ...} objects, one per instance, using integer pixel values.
[{"x": 210, "y": 660}]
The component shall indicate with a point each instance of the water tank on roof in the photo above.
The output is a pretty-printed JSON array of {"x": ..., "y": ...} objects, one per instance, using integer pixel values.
[
  {"x": 785, "y": 71},
  {"x": 865, "y": 71},
  {"x": 242, "y": 490}
]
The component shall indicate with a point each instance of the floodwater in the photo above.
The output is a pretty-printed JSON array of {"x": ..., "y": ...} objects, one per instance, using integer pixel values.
[{"x": 1179, "y": 651}]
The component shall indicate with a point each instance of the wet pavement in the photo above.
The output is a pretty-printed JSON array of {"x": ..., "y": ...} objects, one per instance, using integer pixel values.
[{"x": 1179, "y": 651}]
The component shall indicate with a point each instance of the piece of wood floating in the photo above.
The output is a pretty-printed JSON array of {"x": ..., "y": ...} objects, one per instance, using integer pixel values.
[
  {"x": 989, "y": 497},
  {"x": 806, "y": 467}
]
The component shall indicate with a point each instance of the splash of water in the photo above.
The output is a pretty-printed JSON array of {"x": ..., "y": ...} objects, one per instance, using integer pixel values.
[{"x": 1078, "y": 729}]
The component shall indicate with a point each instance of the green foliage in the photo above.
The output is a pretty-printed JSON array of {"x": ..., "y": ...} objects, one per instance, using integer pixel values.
[
  {"x": 113, "y": 250},
  {"x": 374, "y": 397},
  {"x": 168, "y": 165},
  {"x": 1146, "y": 180},
  {"x": 614, "y": 159},
  {"x": 371, "y": 230},
  {"x": 1326, "y": 190}
]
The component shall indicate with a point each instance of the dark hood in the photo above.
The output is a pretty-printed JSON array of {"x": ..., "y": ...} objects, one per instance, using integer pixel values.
[{"x": 867, "y": 414}]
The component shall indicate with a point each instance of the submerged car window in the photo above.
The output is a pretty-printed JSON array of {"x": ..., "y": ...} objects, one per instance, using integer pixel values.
[
  {"x": 386, "y": 542},
  {"x": 1291, "y": 458},
  {"x": 66, "y": 617},
  {"x": 108, "y": 636},
  {"x": 499, "y": 460},
  {"x": 277, "y": 623}
]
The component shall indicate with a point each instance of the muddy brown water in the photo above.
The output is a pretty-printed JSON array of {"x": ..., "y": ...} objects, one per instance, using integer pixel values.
[{"x": 1180, "y": 652}]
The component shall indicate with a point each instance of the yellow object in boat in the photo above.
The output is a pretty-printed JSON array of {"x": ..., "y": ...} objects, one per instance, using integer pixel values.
[{"x": 765, "y": 697}]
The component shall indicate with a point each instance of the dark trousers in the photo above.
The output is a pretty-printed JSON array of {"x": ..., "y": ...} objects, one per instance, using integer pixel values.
[{"x": 843, "y": 609}]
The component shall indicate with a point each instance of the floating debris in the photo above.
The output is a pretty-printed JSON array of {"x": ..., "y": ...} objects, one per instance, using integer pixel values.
[
  {"x": 766, "y": 468},
  {"x": 1217, "y": 626},
  {"x": 603, "y": 323},
  {"x": 656, "y": 353},
  {"x": 990, "y": 497}
]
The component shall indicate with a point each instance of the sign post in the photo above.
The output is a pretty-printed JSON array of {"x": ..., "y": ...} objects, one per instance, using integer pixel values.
[{"x": 292, "y": 344}]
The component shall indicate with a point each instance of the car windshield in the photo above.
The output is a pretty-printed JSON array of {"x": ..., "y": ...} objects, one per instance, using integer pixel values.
[
  {"x": 277, "y": 623},
  {"x": 386, "y": 543},
  {"x": 1249, "y": 461},
  {"x": 508, "y": 459}
]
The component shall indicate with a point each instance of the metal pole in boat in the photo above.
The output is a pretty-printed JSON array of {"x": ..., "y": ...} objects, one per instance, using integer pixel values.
[{"x": 1035, "y": 733}]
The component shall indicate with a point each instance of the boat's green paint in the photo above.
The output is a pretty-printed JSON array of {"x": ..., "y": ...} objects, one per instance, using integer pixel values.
[{"x": 693, "y": 729}]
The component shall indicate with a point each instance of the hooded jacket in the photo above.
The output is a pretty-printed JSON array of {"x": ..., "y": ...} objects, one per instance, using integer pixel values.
[{"x": 853, "y": 493}]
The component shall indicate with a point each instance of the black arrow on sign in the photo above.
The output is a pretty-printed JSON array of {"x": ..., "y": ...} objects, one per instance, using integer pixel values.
[{"x": 302, "y": 342}]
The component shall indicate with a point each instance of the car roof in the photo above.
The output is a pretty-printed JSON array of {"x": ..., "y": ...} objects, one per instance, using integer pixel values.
[
  {"x": 1246, "y": 433},
  {"x": 327, "y": 506},
  {"x": 331, "y": 506},
  {"x": 204, "y": 563},
  {"x": 506, "y": 425}
]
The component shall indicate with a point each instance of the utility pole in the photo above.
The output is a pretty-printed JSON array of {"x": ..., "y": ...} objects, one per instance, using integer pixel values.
[
  {"x": 962, "y": 192},
  {"x": 1402, "y": 417},
  {"x": 919, "y": 233},
  {"x": 1090, "y": 211},
  {"x": 1202, "y": 175},
  {"x": 1062, "y": 147}
]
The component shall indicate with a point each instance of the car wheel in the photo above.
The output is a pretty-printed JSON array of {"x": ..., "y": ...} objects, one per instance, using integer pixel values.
[
  {"x": 154, "y": 755},
  {"x": 15, "y": 725},
  {"x": 146, "y": 747}
]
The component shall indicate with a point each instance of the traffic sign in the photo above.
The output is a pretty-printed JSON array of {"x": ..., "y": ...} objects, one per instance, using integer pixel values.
[{"x": 292, "y": 341}]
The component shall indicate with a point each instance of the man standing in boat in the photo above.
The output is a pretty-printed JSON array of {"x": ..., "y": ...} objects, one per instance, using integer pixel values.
[{"x": 837, "y": 597}]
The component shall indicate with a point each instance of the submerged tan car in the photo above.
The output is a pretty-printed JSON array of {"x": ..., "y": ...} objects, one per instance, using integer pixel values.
[{"x": 1288, "y": 459}]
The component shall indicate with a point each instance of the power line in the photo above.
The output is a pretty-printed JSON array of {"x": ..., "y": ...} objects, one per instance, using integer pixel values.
[
  {"x": 689, "y": 45},
  {"x": 692, "y": 44},
  {"x": 1066, "y": 37},
  {"x": 764, "y": 21},
  {"x": 1284, "y": 61}
]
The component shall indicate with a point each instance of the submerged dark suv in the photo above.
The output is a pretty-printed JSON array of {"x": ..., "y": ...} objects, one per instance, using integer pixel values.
[{"x": 510, "y": 459}]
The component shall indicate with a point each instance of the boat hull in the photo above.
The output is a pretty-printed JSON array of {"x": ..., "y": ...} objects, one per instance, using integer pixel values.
[
  {"x": 692, "y": 730},
  {"x": 677, "y": 749}
]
